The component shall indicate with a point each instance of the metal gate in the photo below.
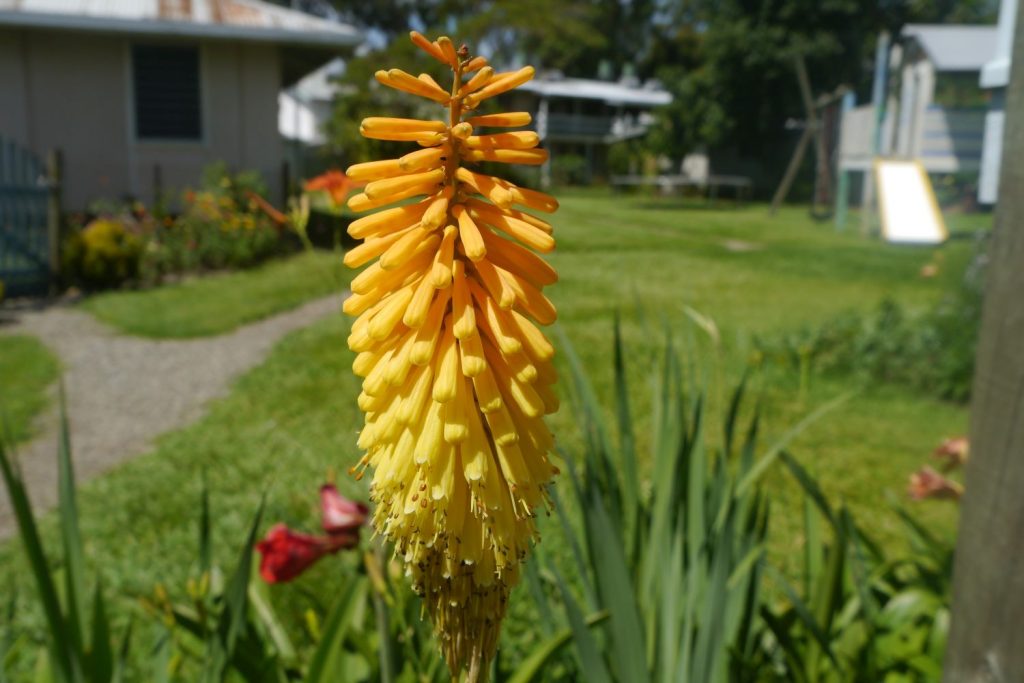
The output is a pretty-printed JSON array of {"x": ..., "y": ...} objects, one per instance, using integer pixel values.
[{"x": 28, "y": 219}]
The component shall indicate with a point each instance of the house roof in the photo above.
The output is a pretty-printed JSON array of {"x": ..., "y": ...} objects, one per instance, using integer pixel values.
[
  {"x": 607, "y": 91},
  {"x": 955, "y": 47},
  {"x": 250, "y": 20}
]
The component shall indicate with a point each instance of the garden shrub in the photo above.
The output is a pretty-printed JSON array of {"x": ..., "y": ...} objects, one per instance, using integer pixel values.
[
  {"x": 105, "y": 253},
  {"x": 215, "y": 231},
  {"x": 569, "y": 169},
  {"x": 931, "y": 351},
  {"x": 220, "y": 226}
]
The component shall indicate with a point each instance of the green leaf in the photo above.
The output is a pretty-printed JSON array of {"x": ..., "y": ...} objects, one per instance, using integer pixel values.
[
  {"x": 805, "y": 616},
  {"x": 593, "y": 666},
  {"x": 205, "y": 553},
  {"x": 860, "y": 578},
  {"x": 100, "y": 659},
  {"x": 616, "y": 591},
  {"x": 570, "y": 535},
  {"x": 729, "y": 428},
  {"x": 790, "y": 648},
  {"x": 118, "y": 675},
  {"x": 627, "y": 449},
  {"x": 533, "y": 584},
  {"x": 232, "y": 620},
  {"x": 328, "y": 651},
  {"x": 74, "y": 557},
  {"x": 533, "y": 665},
  {"x": 63, "y": 654},
  {"x": 773, "y": 452},
  {"x": 810, "y": 487},
  {"x": 260, "y": 599}
]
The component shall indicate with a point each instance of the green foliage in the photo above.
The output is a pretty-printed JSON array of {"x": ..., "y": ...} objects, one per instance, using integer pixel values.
[
  {"x": 220, "y": 227},
  {"x": 932, "y": 352},
  {"x": 570, "y": 169},
  {"x": 861, "y": 614},
  {"x": 681, "y": 570},
  {"x": 105, "y": 253},
  {"x": 80, "y": 645}
]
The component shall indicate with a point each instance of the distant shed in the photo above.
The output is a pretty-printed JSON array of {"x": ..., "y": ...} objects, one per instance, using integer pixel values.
[
  {"x": 582, "y": 117},
  {"x": 934, "y": 107}
]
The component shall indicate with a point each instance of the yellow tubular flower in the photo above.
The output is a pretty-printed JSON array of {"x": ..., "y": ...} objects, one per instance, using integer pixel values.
[{"x": 457, "y": 376}]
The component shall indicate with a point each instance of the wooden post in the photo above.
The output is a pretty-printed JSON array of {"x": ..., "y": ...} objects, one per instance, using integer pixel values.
[
  {"x": 286, "y": 182},
  {"x": 843, "y": 184},
  {"x": 878, "y": 95},
  {"x": 986, "y": 640},
  {"x": 54, "y": 176}
]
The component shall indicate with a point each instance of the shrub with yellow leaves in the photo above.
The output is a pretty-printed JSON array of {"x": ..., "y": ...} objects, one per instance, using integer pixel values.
[{"x": 457, "y": 375}]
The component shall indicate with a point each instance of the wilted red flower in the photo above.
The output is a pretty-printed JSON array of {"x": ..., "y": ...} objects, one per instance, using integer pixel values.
[
  {"x": 927, "y": 483},
  {"x": 953, "y": 452},
  {"x": 339, "y": 515},
  {"x": 334, "y": 183},
  {"x": 286, "y": 553}
]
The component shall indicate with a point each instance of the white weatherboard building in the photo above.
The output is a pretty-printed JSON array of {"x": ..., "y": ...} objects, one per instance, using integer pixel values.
[
  {"x": 140, "y": 95},
  {"x": 995, "y": 76}
]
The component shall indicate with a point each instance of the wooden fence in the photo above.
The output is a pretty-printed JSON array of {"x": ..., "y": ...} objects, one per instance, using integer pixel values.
[{"x": 29, "y": 220}]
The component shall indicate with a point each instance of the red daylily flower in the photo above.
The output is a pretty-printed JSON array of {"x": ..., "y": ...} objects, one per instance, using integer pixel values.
[
  {"x": 335, "y": 183},
  {"x": 927, "y": 483},
  {"x": 286, "y": 553},
  {"x": 339, "y": 515}
]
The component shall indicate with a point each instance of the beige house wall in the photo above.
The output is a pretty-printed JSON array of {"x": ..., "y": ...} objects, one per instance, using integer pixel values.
[{"x": 73, "y": 92}]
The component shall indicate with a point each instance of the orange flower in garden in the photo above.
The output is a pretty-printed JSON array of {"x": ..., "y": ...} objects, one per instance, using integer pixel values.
[
  {"x": 457, "y": 374},
  {"x": 335, "y": 183}
]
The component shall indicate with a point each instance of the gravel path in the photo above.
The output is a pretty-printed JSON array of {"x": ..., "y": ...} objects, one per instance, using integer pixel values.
[{"x": 123, "y": 391}]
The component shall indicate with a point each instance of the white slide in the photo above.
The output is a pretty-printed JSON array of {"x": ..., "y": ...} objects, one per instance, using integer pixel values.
[{"x": 910, "y": 214}]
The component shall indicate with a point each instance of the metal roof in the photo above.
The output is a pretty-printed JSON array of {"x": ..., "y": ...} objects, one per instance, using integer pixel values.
[
  {"x": 224, "y": 19},
  {"x": 607, "y": 91},
  {"x": 955, "y": 48}
]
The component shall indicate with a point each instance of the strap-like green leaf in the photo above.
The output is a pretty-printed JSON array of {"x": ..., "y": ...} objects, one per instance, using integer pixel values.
[{"x": 328, "y": 651}]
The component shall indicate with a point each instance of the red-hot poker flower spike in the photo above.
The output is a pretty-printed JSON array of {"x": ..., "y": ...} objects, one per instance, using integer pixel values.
[{"x": 457, "y": 374}]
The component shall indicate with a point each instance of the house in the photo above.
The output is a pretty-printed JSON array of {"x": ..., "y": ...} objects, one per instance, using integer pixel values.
[
  {"x": 583, "y": 117},
  {"x": 139, "y": 96},
  {"x": 304, "y": 111},
  {"x": 995, "y": 76},
  {"x": 933, "y": 109}
]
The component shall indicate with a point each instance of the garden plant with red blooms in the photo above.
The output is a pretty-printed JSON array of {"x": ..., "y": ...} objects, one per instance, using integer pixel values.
[{"x": 287, "y": 553}]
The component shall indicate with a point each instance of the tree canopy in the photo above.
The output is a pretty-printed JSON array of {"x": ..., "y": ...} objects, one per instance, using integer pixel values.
[{"x": 728, "y": 63}]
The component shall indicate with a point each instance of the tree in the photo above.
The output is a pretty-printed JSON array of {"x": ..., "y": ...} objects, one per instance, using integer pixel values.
[{"x": 986, "y": 639}]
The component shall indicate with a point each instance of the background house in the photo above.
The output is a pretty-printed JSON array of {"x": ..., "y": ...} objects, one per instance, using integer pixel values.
[
  {"x": 583, "y": 117},
  {"x": 995, "y": 76},
  {"x": 140, "y": 95}
]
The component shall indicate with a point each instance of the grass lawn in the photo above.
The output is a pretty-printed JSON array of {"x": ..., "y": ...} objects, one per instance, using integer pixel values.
[
  {"x": 27, "y": 369},
  {"x": 293, "y": 419},
  {"x": 219, "y": 303}
]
